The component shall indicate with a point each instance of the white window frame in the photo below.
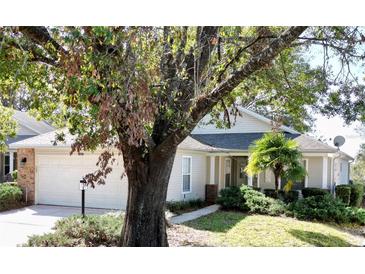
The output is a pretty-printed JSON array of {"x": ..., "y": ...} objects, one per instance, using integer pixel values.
[
  {"x": 182, "y": 174},
  {"x": 230, "y": 172},
  {"x": 7, "y": 154}
]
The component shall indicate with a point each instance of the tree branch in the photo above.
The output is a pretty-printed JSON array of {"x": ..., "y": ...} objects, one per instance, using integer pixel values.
[
  {"x": 206, "y": 102},
  {"x": 41, "y": 36},
  {"x": 205, "y": 45}
]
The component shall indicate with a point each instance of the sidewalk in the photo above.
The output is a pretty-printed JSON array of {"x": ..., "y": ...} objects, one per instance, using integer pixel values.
[{"x": 194, "y": 214}]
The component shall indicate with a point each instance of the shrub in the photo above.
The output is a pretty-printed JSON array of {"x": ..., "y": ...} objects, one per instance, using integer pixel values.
[
  {"x": 343, "y": 193},
  {"x": 103, "y": 230},
  {"x": 327, "y": 209},
  {"x": 14, "y": 175},
  {"x": 231, "y": 198},
  {"x": 10, "y": 196},
  {"x": 357, "y": 215},
  {"x": 291, "y": 196},
  {"x": 313, "y": 191},
  {"x": 272, "y": 193},
  {"x": 257, "y": 202},
  {"x": 179, "y": 207},
  {"x": 287, "y": 197},
  {"x": 357, "y": 195}
]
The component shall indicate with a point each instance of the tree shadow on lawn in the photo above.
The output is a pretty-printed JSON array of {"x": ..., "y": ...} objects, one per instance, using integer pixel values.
[
  {"x": 220, "y": 221},
  {"x": 319, "y": 239}
]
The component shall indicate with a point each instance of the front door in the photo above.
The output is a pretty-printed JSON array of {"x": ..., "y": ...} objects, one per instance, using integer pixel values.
[
  {"x": 227, "y": 172},
  {"x": 241, "y": 176}
]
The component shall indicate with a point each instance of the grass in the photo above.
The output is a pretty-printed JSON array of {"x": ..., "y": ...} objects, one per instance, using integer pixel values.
[
  {"x": 223, "y": 228},
  {"x": 238, "y": 229}
]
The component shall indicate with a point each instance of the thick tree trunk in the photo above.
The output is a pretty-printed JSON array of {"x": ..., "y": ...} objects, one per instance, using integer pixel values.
[{"x": 144, "y": 223}]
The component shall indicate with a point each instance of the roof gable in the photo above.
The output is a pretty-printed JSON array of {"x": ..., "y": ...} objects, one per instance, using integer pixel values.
[
  {"x": 246, "y": 122},
  {"x": 28, "y": 125}
]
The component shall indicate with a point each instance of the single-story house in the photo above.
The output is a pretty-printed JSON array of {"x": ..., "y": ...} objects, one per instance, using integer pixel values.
[
  {"x": 210, "y": 155},
  {"x": 28, "y": 127}
]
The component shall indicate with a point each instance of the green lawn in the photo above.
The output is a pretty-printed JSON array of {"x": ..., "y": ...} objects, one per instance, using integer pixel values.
[{"x": 238, "y": 229}]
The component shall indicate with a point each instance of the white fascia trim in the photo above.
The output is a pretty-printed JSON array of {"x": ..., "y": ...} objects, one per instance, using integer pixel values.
[
  {"x": 266, "y": 120},
  {"x": 38, "y": 146},
  {"x": 316, "y": 154}
]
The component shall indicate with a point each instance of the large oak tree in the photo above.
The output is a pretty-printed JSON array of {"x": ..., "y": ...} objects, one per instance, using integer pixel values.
[{"x": 142, "y": 90}]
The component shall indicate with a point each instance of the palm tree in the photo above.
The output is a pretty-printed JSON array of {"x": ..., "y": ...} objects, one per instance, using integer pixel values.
[{"x": 281, "y": 155}]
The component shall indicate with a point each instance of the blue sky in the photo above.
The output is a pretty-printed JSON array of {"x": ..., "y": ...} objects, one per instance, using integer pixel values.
[{"x": 330, "y": 127}]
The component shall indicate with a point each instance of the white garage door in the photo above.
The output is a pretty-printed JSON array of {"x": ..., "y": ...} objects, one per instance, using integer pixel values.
[{"x": 58, "y": 177}]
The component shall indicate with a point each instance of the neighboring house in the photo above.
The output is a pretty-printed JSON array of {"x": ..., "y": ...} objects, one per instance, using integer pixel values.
[
  {"x": 27, "y": 127},
  {"x": 50, "y": 175}
]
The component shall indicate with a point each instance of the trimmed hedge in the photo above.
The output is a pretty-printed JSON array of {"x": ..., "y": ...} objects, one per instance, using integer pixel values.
[
  {"x": 249, "y": 200},
  {"x": 313, "y": 191},
  {"x": 343, "y": 193},
  {"x": 357, "y": 195},
  {"x": 291, "y": 196},
  {"x": 257, "y": 202},
  {"x": 272, "y": 193},
  {"x": 179, "y": 207},
  {"x": 10, "y": 196},
  {"x": 327, "y": 209},
  {"x": 287, "y": 197},
  {"x": 231, "y": 198}
]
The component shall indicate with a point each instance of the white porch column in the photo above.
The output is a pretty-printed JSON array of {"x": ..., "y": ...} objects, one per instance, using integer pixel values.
[
  {"x": 219, "y": 172},
  {"x": 249, "y": 180},
  {"x": 11, "y": 161},
  {"x": 325, "y": 172},
  {"x": 212, "y": 170}
]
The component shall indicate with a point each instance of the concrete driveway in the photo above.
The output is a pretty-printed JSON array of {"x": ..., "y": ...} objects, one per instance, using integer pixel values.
[{"x": 16, "y": 225}]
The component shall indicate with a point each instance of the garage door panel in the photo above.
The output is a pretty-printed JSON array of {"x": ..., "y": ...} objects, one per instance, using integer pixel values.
[{"x": 58, "y": 179}]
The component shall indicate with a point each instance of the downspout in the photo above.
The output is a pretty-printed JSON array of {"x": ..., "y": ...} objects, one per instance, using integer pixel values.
[
  {"x": 349, "y": 170},
  {"x": 333, "y": 186}
]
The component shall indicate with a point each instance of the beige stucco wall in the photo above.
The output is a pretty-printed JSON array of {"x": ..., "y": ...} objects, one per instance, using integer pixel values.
[
  {"x": 315, "y": 171},
  {"x": 198, "y": 175}
]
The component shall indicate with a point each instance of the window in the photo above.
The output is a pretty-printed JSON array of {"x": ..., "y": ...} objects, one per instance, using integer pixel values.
[
  {"x": 6, "y": 163},
  {"x": 186, "y": 173},
  {"x": 227, "y": 172}
]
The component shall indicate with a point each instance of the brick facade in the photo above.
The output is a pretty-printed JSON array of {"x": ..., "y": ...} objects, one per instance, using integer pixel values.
[
  {"x": 211, "y": 193},
  {"x": 26, "y": 172}
]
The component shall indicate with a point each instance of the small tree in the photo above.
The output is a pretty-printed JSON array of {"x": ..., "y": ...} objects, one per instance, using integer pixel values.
[{"x": 281, "y": 155}]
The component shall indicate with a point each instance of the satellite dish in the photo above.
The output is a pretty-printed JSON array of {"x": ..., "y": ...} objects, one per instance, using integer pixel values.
[{"x": 339, "y": 141}]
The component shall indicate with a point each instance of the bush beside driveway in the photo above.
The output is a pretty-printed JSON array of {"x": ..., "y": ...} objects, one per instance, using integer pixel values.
[{"x": 16, "y": 225}]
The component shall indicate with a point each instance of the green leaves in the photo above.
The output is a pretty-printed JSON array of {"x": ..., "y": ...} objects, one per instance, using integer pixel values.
[
  {"x": 8, "y": 126},
  {"x": 281, "y": 155}
]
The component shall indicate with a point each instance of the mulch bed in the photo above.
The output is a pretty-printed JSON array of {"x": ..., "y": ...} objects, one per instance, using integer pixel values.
[{"x": 179, "y": 235}]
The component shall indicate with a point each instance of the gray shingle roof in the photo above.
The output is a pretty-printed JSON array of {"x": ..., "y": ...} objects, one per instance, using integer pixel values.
[
  {"x": 232, "y": 141},
  {"x": 200, "y": 142},
  {"x": 310, "y": 144},
  {"x": 47, "y": 140},
  {"x": 242, "y": 141},
  {"x": 28, "y": 121}
]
